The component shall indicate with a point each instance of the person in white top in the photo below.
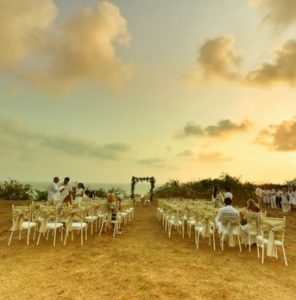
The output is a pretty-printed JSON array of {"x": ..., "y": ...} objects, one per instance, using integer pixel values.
[
  {"x": 272, "y": 198},
  {"x": 227, "y": 209},
  {"x": 53, "y": 190},
  {"x": 292, "y": 196},
  {"x": 65, "y": 191},
  {"x": 285, "y": 200},
  {"x": 80, "y": 194},
  {"x": 228, "y": 193}
]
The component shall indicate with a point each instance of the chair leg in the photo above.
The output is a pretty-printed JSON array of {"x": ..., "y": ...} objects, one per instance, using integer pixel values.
[
  {"x": 9, "y": 241},
  {"x": 28, "y": 236},
  {"x": 197, "y": 244},
  {"x": 54, "y": 236},
  {"x": 258, "y": 252},
  {"x": 101, "y": 229},
  {"x": 38, "y": 239},
  {"x": 81, "y": 235},
  {"x": 262, "y": 254},
  {"x": 66, "y": 235},
  {"x": 34, "y": 235},
  {"x": 249, "y": 241},
  {"x": 285, "y": 257},
  {"x": 214, "y": 242},
  {"x": 239, "y": 243}
]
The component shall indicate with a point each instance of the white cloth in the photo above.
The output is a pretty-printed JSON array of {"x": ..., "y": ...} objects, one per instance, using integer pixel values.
[
  {"x": 53, "y": 192},
  {"x": 79, "y": 193},
  {"x": 292, "y": 196},
  {"x": 65, "y": 191},
  {"x": 226, "y": 209}
]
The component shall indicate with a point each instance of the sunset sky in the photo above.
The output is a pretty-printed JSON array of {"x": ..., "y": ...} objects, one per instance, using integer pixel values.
[{"x": 101, "y": 91}]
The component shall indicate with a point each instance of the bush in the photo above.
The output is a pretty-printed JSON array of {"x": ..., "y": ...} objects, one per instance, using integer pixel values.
[
  {"x": 40, "y": 195},
  {"x": 13, "y": 190},
  {"x": 203, "y": 188}
]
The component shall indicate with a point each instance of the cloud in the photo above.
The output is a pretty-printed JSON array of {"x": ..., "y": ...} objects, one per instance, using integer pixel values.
[
  {"x": 216, "y": 59},
  {"x": 153, "y": 162},
  {"x": 281, "y": 137},
  {"x": 278, "y": 13},
  {"x": 15, "y": 134},
  {"x": 282, "y": 70},
  {"x": 221, "y": 129},
  {"x": 77, "y": 51},
  {"x": 185, "y": 153},
  {"x": 213, "y": 157},
  {"x": 22, "y": 28}
]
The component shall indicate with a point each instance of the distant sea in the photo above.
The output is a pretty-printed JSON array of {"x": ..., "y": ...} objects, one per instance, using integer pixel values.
[{"x": 141, "y": 188}]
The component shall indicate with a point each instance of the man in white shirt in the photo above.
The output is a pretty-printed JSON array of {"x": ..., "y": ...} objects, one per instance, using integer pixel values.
[
  {"x": 53, "y": 190},
  {"x": 227, "y": 209}
]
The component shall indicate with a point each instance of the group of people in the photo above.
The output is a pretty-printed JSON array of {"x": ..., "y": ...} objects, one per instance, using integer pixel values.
[
  {"x": 284, "y": 198},
  {"x": 219, "y": 196},
  {"x": 63, "y": 192},
  {"x": 251, "y": 206}
]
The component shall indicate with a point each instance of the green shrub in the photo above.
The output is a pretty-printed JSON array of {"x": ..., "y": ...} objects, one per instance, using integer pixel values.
[
  {"x": 203, "y": 188},
  {"x": 40, "y": 195},
  {"x": 13, "y": 190}
]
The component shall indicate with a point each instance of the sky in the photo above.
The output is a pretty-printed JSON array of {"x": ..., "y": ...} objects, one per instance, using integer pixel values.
[{"x": 105, "y": 90}]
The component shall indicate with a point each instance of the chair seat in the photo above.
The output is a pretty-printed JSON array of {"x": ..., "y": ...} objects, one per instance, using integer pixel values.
[
  {"x": 200, "y": 229},
  {"x": 91, "y": 218},
  {"x": 78, "y": 225},
  {"x": 52, "y": 225},
  {"x": 278, "y": 243},
  {"x": 234, "y": 232},
  {"x": 191, "y": 222},
  {"x": 27, "y": 225},
  {"x": 261, "y": 239}
]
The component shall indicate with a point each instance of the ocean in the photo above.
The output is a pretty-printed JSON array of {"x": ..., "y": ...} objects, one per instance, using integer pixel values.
[{"x": 142, "y": 188}]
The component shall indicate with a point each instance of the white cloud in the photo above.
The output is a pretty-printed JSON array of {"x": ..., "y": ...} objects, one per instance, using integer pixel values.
[
  {"x": 277, "y": 13},
  {"x": 77, "y": 51},
  {"x": 22, "y": 29},
  {"x": 216, "y": 59}
]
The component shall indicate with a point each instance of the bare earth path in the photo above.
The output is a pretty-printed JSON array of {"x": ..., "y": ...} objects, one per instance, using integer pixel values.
[{"x": 142, "y": 263}]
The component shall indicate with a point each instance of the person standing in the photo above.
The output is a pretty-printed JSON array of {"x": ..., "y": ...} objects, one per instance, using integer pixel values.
[
  {"x": 54, "y": 190},
  {"x": 65, "y": 190}
]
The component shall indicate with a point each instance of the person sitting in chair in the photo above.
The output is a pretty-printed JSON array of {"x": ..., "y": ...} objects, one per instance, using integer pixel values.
[
  {"x": 251, "y": 206},
  {"x": 228, "y": 208}
]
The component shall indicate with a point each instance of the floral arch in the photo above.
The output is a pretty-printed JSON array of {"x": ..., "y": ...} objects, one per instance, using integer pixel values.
[{"x": 135, "y": 180}]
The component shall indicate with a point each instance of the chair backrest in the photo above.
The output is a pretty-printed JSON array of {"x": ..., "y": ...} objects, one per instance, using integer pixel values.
[
  {"x": 256, "y": 219},
  {"x": 274, "y": 225},
  {"x": 231, "y": 218},
  {"x": 20, "y": 214}
]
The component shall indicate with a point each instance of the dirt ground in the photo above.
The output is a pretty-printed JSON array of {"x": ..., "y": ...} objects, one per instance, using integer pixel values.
[{"x": 142, "y": 263}]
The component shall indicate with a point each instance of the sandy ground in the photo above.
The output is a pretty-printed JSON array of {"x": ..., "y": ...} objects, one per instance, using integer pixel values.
[{"x": 142, "y": 263}]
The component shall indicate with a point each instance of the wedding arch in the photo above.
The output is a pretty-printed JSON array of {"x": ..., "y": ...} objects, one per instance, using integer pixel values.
[{"x": 135, "y": 180}]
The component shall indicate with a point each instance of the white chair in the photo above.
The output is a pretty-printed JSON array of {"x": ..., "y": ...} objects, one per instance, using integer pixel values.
[
  {"x": 272, "y": 236},
  {"x": 230, "y": 229},
  {"x": 190, "y": 223},
  {"x": 252, "y": 228},
  {"x": 75, "y": 222},
  {"x": 205, "y": 228},
  {"x": 49, "y": 221},
  {"x": 91, "y": 217},
  {"x": 22, "y": 220},
  {"x": 177, "y": 222}
]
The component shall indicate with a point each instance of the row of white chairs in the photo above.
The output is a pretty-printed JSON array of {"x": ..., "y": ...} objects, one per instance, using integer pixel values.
[
  {"x": 65, "y": 219},
  {"x": 267, "y": 233}
]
